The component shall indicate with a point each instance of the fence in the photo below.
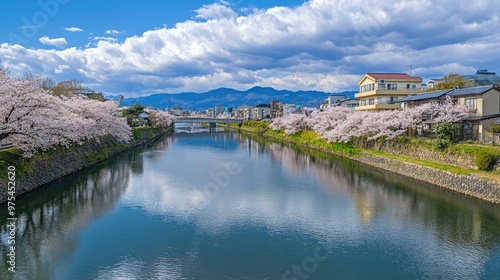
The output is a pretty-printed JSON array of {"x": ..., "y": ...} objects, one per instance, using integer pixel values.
[{"x": 464, "y": 135}]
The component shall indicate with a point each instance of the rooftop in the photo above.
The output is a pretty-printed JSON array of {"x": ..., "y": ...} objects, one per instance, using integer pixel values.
[
  {"x": 425, "y": 95},
  {"x": 393, "y": 76},
  {"x": 471, "y": 90}
]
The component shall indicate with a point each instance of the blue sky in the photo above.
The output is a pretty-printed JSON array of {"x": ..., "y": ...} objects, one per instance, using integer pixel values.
[{"x": 150, "y": 46}]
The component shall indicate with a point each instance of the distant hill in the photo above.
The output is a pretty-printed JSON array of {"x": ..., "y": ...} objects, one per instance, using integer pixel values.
[{"x": 231, "y": 98}]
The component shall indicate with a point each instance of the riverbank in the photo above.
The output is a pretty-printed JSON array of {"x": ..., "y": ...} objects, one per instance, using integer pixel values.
[
  {"x": 454, "y": 170},
  {"x": 34, "y": 172}
]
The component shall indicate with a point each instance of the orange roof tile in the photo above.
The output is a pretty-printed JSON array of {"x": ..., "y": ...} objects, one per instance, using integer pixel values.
[{"x": 393, "y": 76}]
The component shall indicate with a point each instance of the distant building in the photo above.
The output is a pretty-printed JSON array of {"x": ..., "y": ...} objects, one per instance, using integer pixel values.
[
  {"x": 289, "y": 109},
  {"x": 177, "y": 110},
  {"x": 244, "y": 112},
  {"x": 432, "y": 83},
  {"x": 276, "y": 109},
  {"x": 260, "y": 112},
  {"x": 219, "y": 110},
  {"x": 381, "y": 91},
  {"x": 483, "y": 78},
  {"x": 210, "y": 113}
]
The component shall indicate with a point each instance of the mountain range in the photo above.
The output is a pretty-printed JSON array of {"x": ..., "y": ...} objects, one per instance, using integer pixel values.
[{"x": 230, "y": 98}]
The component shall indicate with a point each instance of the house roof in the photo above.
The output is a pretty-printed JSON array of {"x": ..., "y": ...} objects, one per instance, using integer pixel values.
[
  {"x": 424, "y": 96},
  {"x": 480, "y": 118},
  {"x": 471, "y": 90},
  {"x": 349, "y": 99},
  {"x": 393, "y": 76}
]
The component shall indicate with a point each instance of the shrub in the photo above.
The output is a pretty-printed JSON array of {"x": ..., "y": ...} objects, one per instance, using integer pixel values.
[
  {"x": 444, "y": 135},
  {"x": 485, "y": 160},
  {"x": 495, "y": 128}
]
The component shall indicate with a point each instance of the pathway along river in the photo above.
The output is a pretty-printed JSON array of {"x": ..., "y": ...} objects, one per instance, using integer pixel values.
[{"x": 230, "y": 206}]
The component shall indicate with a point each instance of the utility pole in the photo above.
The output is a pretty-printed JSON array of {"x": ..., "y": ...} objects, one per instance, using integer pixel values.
[{"x": 411, "y": 66}]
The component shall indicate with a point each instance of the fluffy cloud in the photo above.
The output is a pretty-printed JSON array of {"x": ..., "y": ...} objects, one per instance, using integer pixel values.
[
  {"x": 114, "y": 32},
  {"x": 57, "y": 42},
  {"x": 73, "y": 29},
  {"x": 321, "y": 44}
]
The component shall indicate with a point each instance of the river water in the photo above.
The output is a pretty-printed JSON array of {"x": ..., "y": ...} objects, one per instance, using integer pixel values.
[{"x": 224, "y": 205}]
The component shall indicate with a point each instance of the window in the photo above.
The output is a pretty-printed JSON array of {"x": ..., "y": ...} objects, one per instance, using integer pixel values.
[
  {"x": 381, "y": 84},
  {"x": 413, "y": 86},
  {"x": 371, "y": 101},
  {"x": 471, "y": 103},
  {"x": 392, "y": 86}
]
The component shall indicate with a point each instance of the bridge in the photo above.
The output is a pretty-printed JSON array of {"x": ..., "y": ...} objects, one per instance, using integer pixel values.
[{"x": 211, "y": 121}]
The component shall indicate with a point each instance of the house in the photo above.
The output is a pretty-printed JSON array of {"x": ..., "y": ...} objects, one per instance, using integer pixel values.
[
  {"x": 381, "y": 91},
  {"x": 333, "y": 100},
  {"x": 433, "y": 82},
  {"x": 350, "y": 102},
  {"x": 484, "y": 101},
  {"x": 438, "y": 96},
  {"x": 143, "y": 118}
]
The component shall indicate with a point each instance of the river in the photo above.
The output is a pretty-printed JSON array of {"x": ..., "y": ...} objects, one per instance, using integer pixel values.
[{"x": 225, "y": 205}]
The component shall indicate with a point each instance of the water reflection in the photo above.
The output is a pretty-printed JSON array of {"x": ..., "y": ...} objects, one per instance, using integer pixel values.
[{"x": 49, "y": 223}]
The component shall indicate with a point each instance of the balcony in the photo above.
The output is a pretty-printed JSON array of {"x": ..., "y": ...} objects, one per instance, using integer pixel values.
[
  {"x": 386, "y": 92},
  {"x": 379, "y": 107}
]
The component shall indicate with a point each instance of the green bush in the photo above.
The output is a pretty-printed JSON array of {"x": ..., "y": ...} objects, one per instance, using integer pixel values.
[
  {"x": 495, "y": 128},
  {"x": 444, "y": 135},
  {"x": 485, "y": 160}
]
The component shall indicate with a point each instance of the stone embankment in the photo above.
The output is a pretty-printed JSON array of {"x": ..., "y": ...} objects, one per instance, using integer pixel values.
[
  {"x": 44, "y": 168},
  {"x": 488, "y": 190}
]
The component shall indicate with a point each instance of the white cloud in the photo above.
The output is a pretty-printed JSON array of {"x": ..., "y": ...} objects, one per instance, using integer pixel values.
[
  {"x": 114, "y": 32},
  {"x": 60, "y": 69},
  {"x": 73, "y": 29},
  {"x": 319, "y": 45},
  {"x": 57, "y": 42},
  {"x": 108, "y": 39}
]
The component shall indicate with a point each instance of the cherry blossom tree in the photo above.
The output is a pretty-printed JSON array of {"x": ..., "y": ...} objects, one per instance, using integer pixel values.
[
  {"x": 34, "y": 119},
  {"x": 341, "y": 124},
  {"x": 160, "y": 118},
  {"x": 291, "y": 124},
  {"x": 102, "y": 118}
]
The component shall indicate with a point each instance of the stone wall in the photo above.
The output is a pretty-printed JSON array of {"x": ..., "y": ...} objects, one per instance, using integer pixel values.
[
  {"x": 54, "y": 164},
  {"x": 488, "y": 190},
  {"x": 420, "y": 152}
]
